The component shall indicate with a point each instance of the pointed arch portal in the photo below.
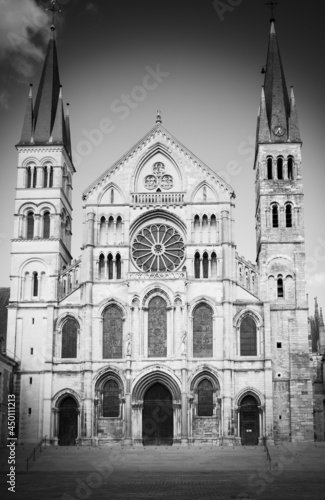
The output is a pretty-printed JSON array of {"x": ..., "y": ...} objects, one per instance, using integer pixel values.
[
  {"x": 157, "y": 416},
  {"x": 249, "y": 421},
  {"x": 68, "y": 422}
]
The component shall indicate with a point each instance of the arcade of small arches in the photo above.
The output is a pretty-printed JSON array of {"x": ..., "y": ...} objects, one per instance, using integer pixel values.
[
  {"x": 33, "y": 285},
  {"x": 150, "y": 411},
  {"x": 280, "y": 168},
  {"x": 205, "y": 265},
  {"x": 44, "y": 224},
  {"x": 110, "y": 267},
  {"x": 110, "y": 230},
  {"x": 286, "y": 216},
  {"x": 281, "y": 287},
  {"x": 206, "y": 228},
  {"x": 47, "y": 176}
]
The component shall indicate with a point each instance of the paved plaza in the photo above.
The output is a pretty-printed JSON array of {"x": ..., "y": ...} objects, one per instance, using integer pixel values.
[{"x": 204, "y": 473}]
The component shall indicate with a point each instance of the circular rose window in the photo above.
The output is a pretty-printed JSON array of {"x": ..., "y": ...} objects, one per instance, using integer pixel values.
[{"x": 158, "y": 248}]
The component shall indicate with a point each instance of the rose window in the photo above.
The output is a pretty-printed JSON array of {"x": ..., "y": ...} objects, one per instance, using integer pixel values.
[{"x": 158, "y": 248}]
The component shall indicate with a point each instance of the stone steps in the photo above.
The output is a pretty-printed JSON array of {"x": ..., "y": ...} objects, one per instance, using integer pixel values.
[{"x": 147, "y": 459}]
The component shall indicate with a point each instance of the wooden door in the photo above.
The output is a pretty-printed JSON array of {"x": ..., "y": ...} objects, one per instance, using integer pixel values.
[
  {"x": 68, "y": 422},
  {"x": 157, "y": 421},
  {"x": 249, "y": 421}
]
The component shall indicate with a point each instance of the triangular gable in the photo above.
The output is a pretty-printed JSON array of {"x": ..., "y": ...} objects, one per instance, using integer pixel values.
[{"x": 157, "y": 129}]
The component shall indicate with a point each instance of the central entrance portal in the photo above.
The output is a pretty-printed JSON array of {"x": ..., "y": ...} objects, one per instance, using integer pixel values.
[{"x": 157, "y": 417}]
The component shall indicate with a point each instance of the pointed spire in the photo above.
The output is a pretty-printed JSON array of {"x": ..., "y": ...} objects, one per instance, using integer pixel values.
[
  {"x": 281, "y": 112},
  {"x": 276, "y": 93},
  {"x": 45, "y": 122},
  {"x": 294, "y": 131},
  {"x": 27, "y": 132},
  {"x": 263, "y": 130},
  {"x": 48, "y": 95}
]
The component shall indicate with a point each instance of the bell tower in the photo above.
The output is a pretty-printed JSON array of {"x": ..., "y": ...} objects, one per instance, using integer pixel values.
[
  {"x": 41, "y": 244},
  {"x": 43, "y": 210},
  {"x": 280, "y": 238}
]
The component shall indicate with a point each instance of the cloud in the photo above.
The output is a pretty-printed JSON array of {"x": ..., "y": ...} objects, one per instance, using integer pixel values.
[
  {"x": 91, "y": 7},
  {"x": 4, "y": 103},
  {"x": 316, "y": 279},
  {"x": 21, "y": 34}
]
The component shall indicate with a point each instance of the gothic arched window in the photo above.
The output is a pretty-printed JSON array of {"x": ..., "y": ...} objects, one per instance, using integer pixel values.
[
  {"x": 69, "y": 338},
  {"x": 112, "y": 332},
  {"x": 50, "y": 182},
  {"x": 45, "y": 176},
  {"x": 280, "y": 168},
  {"x": 102, "y": 231},
  {"x": 101, "y": 267},
  {"x": 290, "y": 168},
  {"x": 197, "y": 262},
  {"x": 118, "y": 266},
  {"x": 270, "y": 168},
  {"x": 35, "y": 284},
  {"x": 202, "y": 331},
  {"x": 110, "y": 266},
  {"x": 280, "y": 288},
  {"x": 205, "y": 399},
  {"x": 288, "y": 216},
  {"x": 248, "y": 337},
  {"x": 157, "y": 328},
  {"x": 30, "y": 225},
  {"x": 205, "y": 265},
  {"x": 111, "y": 399},
  {"x": 275, "y": 216},
  {"x": 29, "y": 177},
  {"x": 46, "y": 225},
  {"x": 214, "y": 269}
]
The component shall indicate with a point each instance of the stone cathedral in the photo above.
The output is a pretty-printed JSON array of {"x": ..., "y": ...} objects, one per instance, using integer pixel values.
[{"x": 160, "y": 333}]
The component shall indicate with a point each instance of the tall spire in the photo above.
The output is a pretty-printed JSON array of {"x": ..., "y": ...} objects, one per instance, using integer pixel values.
[
  {"x": 280, "y": 110},
  {"x": 48, "y": 95},
  {"x": 48, "y": 120}
]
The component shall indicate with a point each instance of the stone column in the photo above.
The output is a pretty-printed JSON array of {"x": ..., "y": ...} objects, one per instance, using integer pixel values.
[
  {"x": 128, "y": 404},
  {"x": 184, "y": 439}
]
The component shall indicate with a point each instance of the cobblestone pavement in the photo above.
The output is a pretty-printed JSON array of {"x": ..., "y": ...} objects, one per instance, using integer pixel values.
[{"x": 171, "y": 485}]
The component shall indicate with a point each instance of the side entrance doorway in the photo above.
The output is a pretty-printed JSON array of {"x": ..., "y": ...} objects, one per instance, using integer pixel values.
[
  {"x": 249, "y": 421},
  {"x": 157, "y": 416},
  {"x": 68, "y": 422}
]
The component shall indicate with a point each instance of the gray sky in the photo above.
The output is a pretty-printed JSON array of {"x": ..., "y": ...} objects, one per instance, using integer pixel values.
[{"x": 213, "y": 53}]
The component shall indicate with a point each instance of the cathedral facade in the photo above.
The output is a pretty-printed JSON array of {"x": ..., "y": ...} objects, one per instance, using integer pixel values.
[{"x": 160, "y": 332}]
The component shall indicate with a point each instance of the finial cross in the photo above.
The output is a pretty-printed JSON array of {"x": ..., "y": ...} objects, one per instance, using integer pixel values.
[
  {"x": 272, "y": 4},
  {"x": 55, "y": 9}
]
